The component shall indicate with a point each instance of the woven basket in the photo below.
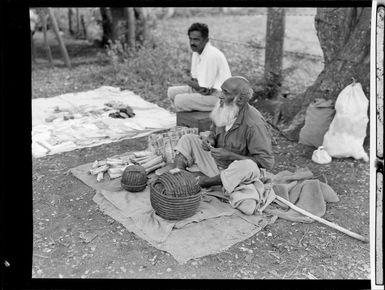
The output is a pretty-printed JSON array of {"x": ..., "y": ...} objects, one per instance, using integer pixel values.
[
  {"x": 134, "y": 178},
  {"x": 175, "y": 196}
]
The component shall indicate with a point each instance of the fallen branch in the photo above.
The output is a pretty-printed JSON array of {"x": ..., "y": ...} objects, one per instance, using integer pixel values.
[{"x": 323, "y": 221}]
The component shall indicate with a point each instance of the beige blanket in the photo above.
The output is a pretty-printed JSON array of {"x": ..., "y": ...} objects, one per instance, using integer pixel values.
[
  {"x": 214, "y": 228},
  {"x": 217, "y": 225}
]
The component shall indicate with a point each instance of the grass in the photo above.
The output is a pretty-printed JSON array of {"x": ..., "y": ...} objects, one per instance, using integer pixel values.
[
  {"x": 294, "y": 251},
  {"x": 164, "y": 61}
]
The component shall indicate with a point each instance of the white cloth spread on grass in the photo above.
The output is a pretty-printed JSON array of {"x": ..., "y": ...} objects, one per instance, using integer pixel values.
[{"x": 92, "y": 126}]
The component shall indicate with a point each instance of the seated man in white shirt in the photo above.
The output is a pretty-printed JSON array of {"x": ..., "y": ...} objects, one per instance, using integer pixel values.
[{"x": 209, "y": 69}]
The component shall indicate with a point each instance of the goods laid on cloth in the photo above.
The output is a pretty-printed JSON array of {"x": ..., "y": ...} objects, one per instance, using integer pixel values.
[
  {"x": 164, "y": 143},
  {"x": 175, "y": 195},
  {"x": 113, "y": 166},
  {"x": 347, "y": 131},
  {"x": 318, "y": 117},
  {"x": 215, "y": 227},
  {"x": 78, "y": 120},
  {"x": 121, "y": 111},
  {"x": 116, "y": 166}
]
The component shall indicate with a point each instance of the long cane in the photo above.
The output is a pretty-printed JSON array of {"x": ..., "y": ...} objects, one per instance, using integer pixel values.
[{"x": 321, "y": 220}]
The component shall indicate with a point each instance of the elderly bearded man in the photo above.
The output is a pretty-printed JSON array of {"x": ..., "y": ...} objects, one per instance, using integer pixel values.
[
  {"x": 209, "y": 69},
  {"x": 239, "y": 143}
]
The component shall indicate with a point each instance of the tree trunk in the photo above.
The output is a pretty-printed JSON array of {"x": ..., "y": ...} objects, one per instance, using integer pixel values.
[
  {"x": 83, "y": 26},
  {"x": 33, "y": 49},
  {"x": 59, "y": 38},
  {"x": 130, "y": 35},
  {"x": 117, "y": 13},
  {"x": 135, "y": 24},
  {"x": 140, "y": 25},
  {"x": 46, "y": 44},
  {"x": 77, "y": 22},
  {"x": 70, "y": 14},
  {"x": 344, "y": 35},
  {"x": 275, "y": 32},
  {"x": 106, "y": 25}
]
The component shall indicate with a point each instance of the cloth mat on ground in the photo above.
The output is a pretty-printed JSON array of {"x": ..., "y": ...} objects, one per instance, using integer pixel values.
[
  {"x": 92, "y": 126},
  {"x": 215, "y": 227}
]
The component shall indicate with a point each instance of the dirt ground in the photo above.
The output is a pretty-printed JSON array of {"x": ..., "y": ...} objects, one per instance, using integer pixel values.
[{"x": 63, "y": 211}]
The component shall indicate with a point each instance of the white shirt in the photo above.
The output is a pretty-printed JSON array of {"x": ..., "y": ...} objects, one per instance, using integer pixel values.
[{"x": 210, "y": 67}]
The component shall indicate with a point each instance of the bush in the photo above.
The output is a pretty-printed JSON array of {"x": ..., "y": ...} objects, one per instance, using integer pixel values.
[{"x": 148, "y": 70}]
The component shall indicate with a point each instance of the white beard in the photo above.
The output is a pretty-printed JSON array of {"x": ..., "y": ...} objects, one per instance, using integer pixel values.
[{"x": 225, "y": 115}]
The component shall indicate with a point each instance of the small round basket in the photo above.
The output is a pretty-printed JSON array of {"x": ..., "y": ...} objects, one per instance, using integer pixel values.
[
  {"x": 175, "y": 196},
  {"x": 134, "y": 178}
]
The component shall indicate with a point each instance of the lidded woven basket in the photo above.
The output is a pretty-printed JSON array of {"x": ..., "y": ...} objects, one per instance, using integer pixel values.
[
  {"x": 134, "y": 178},
  {"x": 175, "y": 196}
]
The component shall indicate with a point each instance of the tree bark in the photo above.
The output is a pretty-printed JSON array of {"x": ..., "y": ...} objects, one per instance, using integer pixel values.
[
  {"x": 77, "y": 22},
  {"x": 83, "y": 26},
  {"x": 33, "y": 49},
  {"x": 141, "y": 25},
  {"x": 106, "y": 25},
  {"x": 117, "y": 13},
  {"x": 44, "y": 16},
  {"x": 130, "y": 35},
  {"x": 70, "y": 14},
  {"x": 59, "y": 38},
  {"x": 135, "y": 24},
  {"x": 275, "y": 33},
  {"x": 344, "y": 35}
]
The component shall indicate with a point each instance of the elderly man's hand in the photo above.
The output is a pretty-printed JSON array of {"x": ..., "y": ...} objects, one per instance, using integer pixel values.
[
  {"x": 207, "y": 142},
  {"x": 221, "y": 154}
]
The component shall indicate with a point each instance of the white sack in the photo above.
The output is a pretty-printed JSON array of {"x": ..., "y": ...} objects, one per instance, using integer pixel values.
[
  {"x": 320, "y": 156},
  {"x": 347, "y": 131}
]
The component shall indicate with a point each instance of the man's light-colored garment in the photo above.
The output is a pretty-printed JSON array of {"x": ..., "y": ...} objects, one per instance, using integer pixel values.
[
  {"x": 190, "y": 147},
  {"x": 241, "y": 180},
  {"x": 185, "y": 98},
  {"x": 210, "y": 67}
]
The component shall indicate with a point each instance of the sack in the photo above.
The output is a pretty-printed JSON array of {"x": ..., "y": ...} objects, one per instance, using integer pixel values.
[
  {"x": 318, "y": 117},
  {"x": 347, "y": 131},
  {"x": 320, "y": 156},
  {"x": 164, "y": 143}
]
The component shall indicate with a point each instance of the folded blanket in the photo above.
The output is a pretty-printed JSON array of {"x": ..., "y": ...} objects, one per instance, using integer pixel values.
[{"x": 308, "y": 194}]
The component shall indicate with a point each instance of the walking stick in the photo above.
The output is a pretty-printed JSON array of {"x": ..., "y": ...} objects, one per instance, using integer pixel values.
[{"x": 321, "y": 220}]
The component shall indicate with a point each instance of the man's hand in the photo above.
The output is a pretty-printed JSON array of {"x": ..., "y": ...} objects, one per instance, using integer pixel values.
[
  {"x": 221, "y": 154},
  {"x": 205, "y": 91},
  {"x": 192, "y": 83},
  {"x": 207, "y": 143}
]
